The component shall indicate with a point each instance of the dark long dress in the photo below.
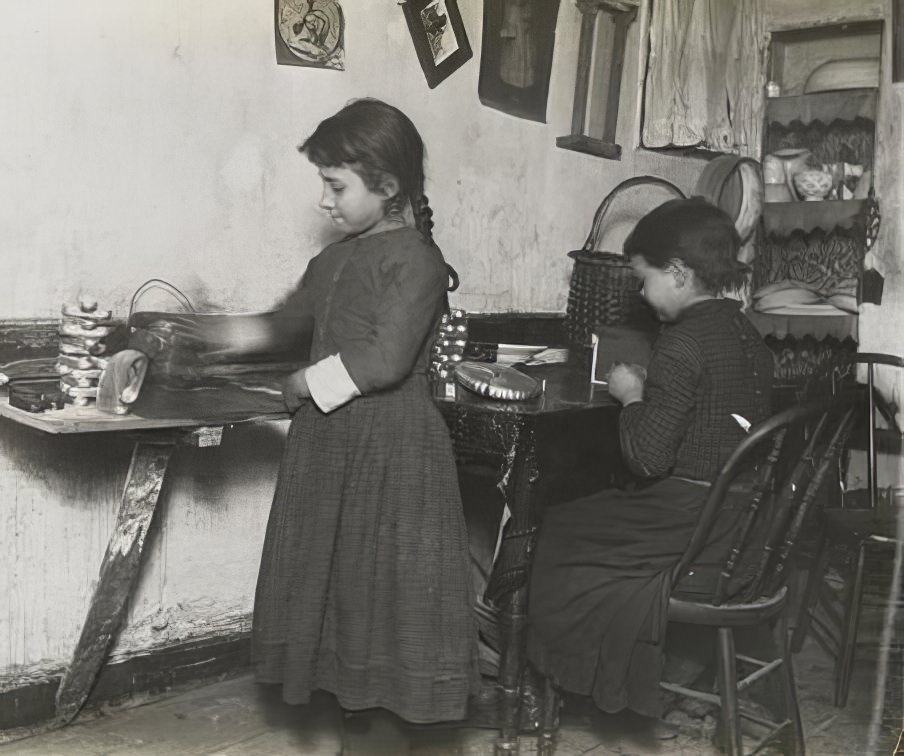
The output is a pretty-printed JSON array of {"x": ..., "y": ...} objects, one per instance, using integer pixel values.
[
  {"x": 363, "y": 589},
  {"x": 602, "y": 569}
]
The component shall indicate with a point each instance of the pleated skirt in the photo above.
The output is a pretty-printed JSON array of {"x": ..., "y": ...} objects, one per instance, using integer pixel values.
[{"x": 364, "y": 585}]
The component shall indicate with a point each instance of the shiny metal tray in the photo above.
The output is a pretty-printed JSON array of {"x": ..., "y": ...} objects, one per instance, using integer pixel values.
[{"x": 496, "y": 381}]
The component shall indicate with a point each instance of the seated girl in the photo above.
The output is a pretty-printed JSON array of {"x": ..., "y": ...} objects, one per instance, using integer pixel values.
[{"x": 601, "y": 574}]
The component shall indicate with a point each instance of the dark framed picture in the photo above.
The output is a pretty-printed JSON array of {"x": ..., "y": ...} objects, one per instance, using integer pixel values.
[
  {"x": 439, "y": 37},
  {"x": 310, "y": 33},
  {"x": 516, "y": 56}
]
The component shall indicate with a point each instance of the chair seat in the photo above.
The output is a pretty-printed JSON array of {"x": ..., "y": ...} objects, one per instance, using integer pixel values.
[{"x": 727, "y": 615}]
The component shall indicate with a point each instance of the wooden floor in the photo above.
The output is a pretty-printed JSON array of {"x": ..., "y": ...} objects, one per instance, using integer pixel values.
[{"x": 236, "y": 717}]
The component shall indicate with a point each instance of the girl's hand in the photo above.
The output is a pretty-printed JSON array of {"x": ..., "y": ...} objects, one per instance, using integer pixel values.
[
  {"x": 626, "y": 382},
  {"x": 295, "y": 390}
]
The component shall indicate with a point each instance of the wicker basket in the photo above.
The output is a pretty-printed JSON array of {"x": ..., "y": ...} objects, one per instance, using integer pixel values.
[{"x": 603, "y": 289}]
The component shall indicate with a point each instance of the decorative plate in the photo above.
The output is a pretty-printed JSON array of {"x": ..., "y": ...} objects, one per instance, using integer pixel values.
[{"x": 496, "y": 381}]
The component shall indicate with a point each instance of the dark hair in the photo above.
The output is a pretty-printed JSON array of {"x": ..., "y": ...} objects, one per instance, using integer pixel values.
[
  {"x": 692, "y": 230},
  {"x": 376, "y": 140}
]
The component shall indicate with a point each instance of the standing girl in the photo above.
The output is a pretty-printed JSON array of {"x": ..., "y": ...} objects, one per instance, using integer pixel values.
[{"x": 363, "y": 588}]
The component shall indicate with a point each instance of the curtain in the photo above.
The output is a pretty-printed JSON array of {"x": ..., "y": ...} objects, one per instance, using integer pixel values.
[{"x": 706, "y": 75}]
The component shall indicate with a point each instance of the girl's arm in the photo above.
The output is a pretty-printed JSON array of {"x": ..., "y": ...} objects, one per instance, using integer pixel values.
[
  {"x": 285, "y": 330},
  {"x": 652, "y": 430}
]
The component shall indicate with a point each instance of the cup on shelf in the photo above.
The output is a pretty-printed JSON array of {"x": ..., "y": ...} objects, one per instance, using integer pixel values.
[
  {"x": 813, "y": 184},
  {"x": 780, "y": 167}
]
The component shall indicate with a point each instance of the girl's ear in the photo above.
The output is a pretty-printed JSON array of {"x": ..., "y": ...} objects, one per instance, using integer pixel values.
[
  {"x": 389, "y": 187},
  {"x": 679, "y": 269}
]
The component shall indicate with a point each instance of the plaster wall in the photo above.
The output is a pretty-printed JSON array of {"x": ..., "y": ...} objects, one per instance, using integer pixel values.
[
  {"x": 142, "y": 140},
  {"x": 157, "y": 140}
]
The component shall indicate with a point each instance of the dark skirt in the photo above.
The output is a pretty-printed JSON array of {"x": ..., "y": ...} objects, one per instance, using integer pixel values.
[
  {"x": 364, "y": 582},
  {"x": 600, "y": 586}
]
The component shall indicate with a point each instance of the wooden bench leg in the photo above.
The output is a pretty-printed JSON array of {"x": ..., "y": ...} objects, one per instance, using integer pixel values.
[{"x": 118, "y": 573}]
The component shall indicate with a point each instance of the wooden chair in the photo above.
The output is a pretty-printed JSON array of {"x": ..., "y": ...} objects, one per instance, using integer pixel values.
[
  {"x": 787, "y": 475},
  {"x": 785, "y": 486},
  {"x": 858, "y": 524}
]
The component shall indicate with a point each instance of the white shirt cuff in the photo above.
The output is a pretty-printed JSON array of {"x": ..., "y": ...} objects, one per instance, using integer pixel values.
[{"x": 330, "y": 384}]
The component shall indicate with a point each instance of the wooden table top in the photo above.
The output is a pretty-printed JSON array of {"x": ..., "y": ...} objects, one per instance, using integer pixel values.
[{"x": 158, "y": 408}]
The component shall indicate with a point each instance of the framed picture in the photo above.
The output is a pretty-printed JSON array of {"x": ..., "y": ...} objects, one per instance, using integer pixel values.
[
  {"x": 439, "y": 37},
  {"x": 516, "y": 56},
  {"x": 310, "y": 33}
]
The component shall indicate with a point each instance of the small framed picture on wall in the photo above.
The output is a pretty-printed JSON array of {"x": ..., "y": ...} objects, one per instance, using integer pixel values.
[
  {"x": 310, "y": 33},
  {"x": 439, "y": 37},
  {"x": 516, "y": 56}
]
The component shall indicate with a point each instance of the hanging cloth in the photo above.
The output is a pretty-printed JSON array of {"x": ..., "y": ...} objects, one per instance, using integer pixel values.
[{"x": 706, "y": 75}]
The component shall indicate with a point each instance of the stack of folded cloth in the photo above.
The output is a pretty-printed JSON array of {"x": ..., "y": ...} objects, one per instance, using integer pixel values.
[
  {"x": 83, "y": 332},
  {"x": 790, "y": 297}
]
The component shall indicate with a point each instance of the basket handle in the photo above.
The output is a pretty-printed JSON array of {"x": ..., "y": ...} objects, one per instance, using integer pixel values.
[
  {"x": 159, "y": 283},
  {"x": 596, "y": 229}
]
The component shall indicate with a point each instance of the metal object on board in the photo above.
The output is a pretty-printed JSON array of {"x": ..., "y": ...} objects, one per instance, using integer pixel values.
[{"x": 497, "y": 381}]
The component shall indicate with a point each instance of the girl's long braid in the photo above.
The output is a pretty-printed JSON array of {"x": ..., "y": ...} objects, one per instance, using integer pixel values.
[
  {"x": 423, "y": 220},
  {"x": 423, "y": 217}
]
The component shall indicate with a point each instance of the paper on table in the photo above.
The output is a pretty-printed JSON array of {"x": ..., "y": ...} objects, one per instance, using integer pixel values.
[
  {"x": 511, "y": 354},
  {"x": 548, "y": 357}
]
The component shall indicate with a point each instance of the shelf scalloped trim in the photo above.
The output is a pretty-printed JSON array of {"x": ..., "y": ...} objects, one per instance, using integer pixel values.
[{"x": 784, "y": 218}]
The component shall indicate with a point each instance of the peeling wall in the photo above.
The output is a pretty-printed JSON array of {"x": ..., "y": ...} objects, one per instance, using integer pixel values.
[
  {"x": 142, "y": 140},
  {"x": 158, "y": 140},
  {"x": 58, "y": 500}
]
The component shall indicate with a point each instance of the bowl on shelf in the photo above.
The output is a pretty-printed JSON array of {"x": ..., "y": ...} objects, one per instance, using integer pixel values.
[
  {"x": 845, "y": 73},
  {"x": 813, "y": 184}
]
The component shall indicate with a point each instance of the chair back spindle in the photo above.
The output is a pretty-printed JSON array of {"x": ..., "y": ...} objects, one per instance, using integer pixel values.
[
  {"x": 836, "y": 444},
  {"x": 764, "y": 479},
  {"x": 784, "y": 505},
  {"x": 785, "y": 488}
]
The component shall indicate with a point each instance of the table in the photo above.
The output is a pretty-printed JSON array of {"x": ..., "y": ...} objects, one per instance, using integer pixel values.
[
  {"x": 551, "y": 448},
  {"x": 155, "y": 438},
  {"x": 559, "y": 446}
]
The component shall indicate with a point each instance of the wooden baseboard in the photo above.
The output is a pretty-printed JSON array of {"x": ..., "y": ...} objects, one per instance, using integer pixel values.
[{"x": 33, "y": 705}]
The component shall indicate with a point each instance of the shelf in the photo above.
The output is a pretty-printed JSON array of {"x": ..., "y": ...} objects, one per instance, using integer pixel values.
[
  {"x": 844, "y": 104},
  {"x": 589, "y": 146},
  {"x": 781, "y": 218},
  {"x": 841, "y": 326}
]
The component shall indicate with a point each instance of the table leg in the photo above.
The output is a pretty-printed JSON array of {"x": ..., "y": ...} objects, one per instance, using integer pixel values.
[
  {"x": 513, "y": 620},
  {"x": 510, "y": 583},
  {"x": 118, "y": 572}
]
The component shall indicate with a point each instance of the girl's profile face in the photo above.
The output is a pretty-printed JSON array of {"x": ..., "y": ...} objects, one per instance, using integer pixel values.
[
  {"x": 662, "y": 288},
  {"x": 352, "y": 206}
]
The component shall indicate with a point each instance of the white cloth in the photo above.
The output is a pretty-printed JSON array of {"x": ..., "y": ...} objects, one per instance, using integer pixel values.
[
  {"x": 706, "y": 75},
  {"x": 330, "y": 384}
]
